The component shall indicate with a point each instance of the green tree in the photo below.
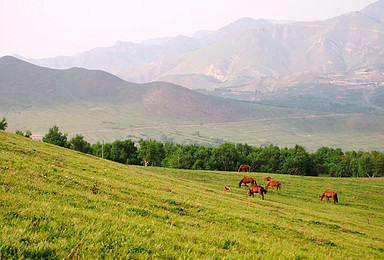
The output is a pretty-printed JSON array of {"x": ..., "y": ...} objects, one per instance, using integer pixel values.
[
  {"x": 3, "y": 124},
  {"x": 243, "y": 151},
  {"x": 124, "y": 152},
  {"x": 54, "y": 136},
  {"x": 269, "y": 159},
  {"x": 252, "y": 160},
  {"x": 226, "y": 157},
  {"x": 202, "y": 156},
  {"x": 78, "y": 143},
  {"x": 151, "y": 152},
  {"x": 188, "y": 156},
  {"x": 326, "y": 158},
  {"x": 96, "y": 149},
  {"x": 345, "y": 166},
  {"x": 107, "y": 151},
  {"x": 295, "y": 161},
  {"x": 378, "y": 162},
  {"x": 366, "y": 165}
]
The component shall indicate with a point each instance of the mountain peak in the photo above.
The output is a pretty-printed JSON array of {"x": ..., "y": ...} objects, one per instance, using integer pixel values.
[
  {"x": 246, "y": 23},
  {"x": 375, "y": 10},
  {"x": 8, "y": 61}
]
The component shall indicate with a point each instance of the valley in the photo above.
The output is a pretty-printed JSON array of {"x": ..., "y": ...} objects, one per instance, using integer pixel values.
[
  {"x": 102, "y": 107},
  {"x": 318, "y": 83}
]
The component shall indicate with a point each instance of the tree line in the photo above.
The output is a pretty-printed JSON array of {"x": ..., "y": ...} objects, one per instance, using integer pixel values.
[{"x": 325, "y": 161}]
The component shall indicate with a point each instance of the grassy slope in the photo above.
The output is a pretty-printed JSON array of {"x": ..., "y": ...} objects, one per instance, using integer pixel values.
[{"x": 48, "y": 209}]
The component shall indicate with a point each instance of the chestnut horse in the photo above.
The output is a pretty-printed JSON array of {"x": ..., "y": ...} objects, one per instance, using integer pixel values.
[
  {"x": 244, "y": 168},
  {"x": 329, "y": 194},
  {"x": 267, "y": 178},
  {"x": 256, "y": 189},
  {"x": 274, "y": 184},
  {"x": 247, "y": 180}
]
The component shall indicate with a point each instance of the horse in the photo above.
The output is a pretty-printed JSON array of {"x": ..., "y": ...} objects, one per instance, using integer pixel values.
[
  {"x": 227, "y": 188},
  {"x": 247, "y": 180},
  {"x": 274, "y": 184},
  {"x": 256, "y": 189},
  {"x": 329, "y": 194},
  {"x": 267, "y": 178},
  {"x": 244, "y": 168}
]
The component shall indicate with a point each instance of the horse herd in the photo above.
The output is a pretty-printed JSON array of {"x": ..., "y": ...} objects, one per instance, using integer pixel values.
[{"x": 254, "y": 188}]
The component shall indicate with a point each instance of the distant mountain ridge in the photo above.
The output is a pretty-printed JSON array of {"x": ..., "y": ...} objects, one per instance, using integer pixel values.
[
  {"x": 375, "y": 10},
  {"x": 24, "y": 85},
  {"x": 249, "y": 55},
  {"x": 101, "y": 106}
]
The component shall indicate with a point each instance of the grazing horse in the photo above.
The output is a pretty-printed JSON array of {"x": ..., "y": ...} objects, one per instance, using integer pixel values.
[
  {"x": 274, "y": 184},
  {"x": 267, "y": 178},
  {"x": 256, "y": 189},
  {"x": 244, "y": 168},
  {"x": 226, "y": 188},
  {"x": 329, "y": 194},
  {"x": 247, "y": 180}
]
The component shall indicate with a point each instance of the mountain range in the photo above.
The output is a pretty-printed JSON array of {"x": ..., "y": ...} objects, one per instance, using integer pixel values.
[
  {"x": 315, "y": 84},
  {"x": 250, "y": 58},
  {"x": 102, "y": 107}
]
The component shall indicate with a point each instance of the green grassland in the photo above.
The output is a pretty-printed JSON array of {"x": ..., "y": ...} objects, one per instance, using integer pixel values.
[
  {"x": 57, "y": 203},
  {"x": 109, "y": 123}
]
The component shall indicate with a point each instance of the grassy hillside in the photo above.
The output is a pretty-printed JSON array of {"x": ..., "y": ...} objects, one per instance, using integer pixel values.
[{"x": 57, "y": 203}]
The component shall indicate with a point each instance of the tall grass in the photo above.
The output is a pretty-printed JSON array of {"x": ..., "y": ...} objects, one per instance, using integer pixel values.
[{"x": 56, "y": 203}]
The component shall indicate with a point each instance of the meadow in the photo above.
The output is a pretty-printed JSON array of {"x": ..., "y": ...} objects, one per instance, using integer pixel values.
[
  {"x": 57, "y": 203},
  {"x": 348, "y": 132}
]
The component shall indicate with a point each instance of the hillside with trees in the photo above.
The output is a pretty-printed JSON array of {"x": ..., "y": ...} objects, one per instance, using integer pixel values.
[{"x": 325, "y": 161}]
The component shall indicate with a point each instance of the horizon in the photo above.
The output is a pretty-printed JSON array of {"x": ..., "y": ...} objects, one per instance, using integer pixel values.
[{"x": 65, "y": 28}]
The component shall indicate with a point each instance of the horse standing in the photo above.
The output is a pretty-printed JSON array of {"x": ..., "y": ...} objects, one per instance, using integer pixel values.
[
  {"x": 267, "y": 178},
  {"x": 276, "y": 184},
  {"x": 247, "y": 180},
  {"x": 244, "y": 168},
  {"x": 256, "y": 189},
  {"x": 329, "y": 194}
]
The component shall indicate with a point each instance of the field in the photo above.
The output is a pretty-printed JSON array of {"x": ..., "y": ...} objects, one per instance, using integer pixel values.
[
  {"x": 108, "y": 123},
  {"x": 57, "y": 203}
]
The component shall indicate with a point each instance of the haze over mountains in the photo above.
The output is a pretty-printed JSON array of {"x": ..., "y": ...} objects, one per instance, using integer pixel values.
[
  {"x": 315, "y": 84},
  {"x": 101, "y": 106},
  {"x": 250, "y": 57},
  {"x": 27, "y": 88},
  {"x": 24, "y": 85}
]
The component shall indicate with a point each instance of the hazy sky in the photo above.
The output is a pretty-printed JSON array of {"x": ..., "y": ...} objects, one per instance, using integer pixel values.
[{"x": 45, "y": 28}]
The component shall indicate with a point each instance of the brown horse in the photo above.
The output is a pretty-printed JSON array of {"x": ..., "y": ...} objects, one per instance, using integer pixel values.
[
  {"x": 267, "y": 178},
  {"x": 274, "y": 184},
  {"x": 244, "y": 168},
  {"x": 226, "y": 188},
  {"x": 247, "y": 180},
  {"x": 329, "y": 194},
  {"x": 256, "y": 189}
]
